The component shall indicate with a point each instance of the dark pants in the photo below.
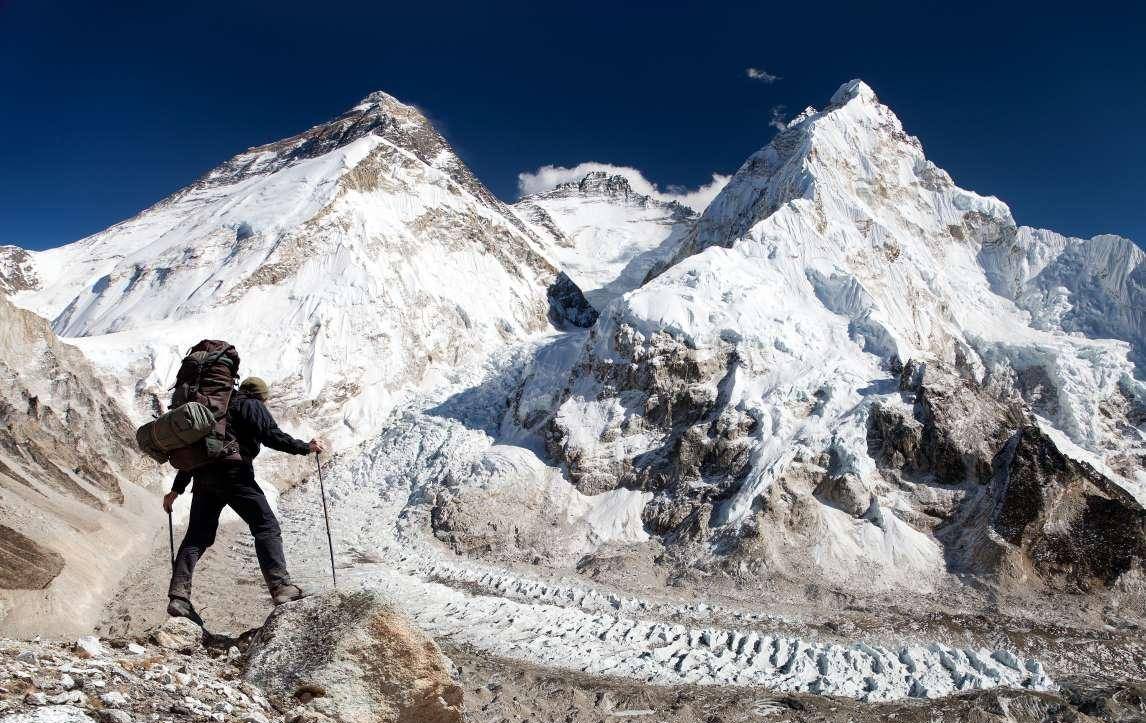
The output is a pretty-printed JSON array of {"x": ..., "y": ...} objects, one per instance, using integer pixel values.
[{"x": 218, "y": 486}]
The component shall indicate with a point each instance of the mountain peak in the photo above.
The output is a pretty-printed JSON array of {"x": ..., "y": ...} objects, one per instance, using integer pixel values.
[
  {"x": 856, "y": 142},
  {"x": 382, "y": 105},
  {"x": 602, "y": 183},
  {"x": 852, "y": 90},
  {"x": 379, "y": 114},
  {"x": 378, "y": 97}
]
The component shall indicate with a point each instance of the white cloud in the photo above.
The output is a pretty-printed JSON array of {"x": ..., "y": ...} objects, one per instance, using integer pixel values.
[
  {"x": 778, "y": 122},
  {"x": 761, "y": 75},
  {"x": 547, "y": 178}
]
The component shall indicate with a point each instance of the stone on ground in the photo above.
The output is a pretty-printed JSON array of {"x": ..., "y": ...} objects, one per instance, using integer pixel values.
[
  {"x": 357, "y": 657},
  {"x": 89, "y": 646},
  {"x": 50, "y": 714},
  {"x": 178, "y": 634}
]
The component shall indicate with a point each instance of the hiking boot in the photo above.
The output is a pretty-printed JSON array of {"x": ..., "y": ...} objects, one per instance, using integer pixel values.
[
  {"x": 179, "y": 607},
  {"x": 286, "y": 593}
]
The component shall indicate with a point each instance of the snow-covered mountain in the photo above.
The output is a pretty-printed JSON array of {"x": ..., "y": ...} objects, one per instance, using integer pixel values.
[
  {"x": 603, "y": 234},
  {"x": 840, "y": 278},
  {"x": 348, "y": 263}
]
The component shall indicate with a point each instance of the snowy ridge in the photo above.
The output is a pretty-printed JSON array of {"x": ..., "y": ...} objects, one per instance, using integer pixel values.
[{"x": 603, "y": 234}]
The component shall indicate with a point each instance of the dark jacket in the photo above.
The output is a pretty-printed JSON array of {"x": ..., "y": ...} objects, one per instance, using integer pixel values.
[{"x": 251, "y": 424}]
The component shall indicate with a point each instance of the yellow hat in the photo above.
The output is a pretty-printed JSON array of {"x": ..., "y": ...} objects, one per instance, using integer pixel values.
[{"x": 255, "y": 387}]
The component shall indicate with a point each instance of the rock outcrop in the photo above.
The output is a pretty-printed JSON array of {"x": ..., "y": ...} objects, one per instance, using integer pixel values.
[
  {"x": 350, "y": 657},
  {"x": 70, "y": 478},
  {"x": 356, "y": 658},
  {"x": 1003, "y": 497},
  {"x": 1065, "y": 522}
]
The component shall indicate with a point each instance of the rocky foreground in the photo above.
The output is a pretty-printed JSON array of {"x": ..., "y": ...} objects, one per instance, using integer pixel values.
[{"x": 345, "y": 657}]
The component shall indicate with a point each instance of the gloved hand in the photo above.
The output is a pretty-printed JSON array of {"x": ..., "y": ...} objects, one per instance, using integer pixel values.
[
  {"x": 317, "y": 447},
  {"x": 169, "y": 500}
]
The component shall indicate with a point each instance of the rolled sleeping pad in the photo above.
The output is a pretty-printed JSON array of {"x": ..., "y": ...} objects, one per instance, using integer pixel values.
[{"x": 181, "y": 427}]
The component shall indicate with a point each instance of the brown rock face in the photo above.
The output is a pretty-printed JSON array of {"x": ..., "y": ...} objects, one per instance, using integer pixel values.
[
  {"x": 353, "y": 657},
  {"x": 1024, "y": 511},
  {"x": 953, "y": 432},
  {"x": 24, "y": 564},
  {"x": 1076, "y": 528}
]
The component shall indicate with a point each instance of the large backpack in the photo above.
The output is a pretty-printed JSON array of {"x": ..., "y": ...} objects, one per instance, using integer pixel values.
[{"x": 194, "y": 432}]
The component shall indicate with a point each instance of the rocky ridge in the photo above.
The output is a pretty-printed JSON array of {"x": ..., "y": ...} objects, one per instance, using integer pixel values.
[{"x": 71, "y": 481}]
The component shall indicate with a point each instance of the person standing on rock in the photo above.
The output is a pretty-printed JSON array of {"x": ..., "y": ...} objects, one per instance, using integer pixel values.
[{"x": 232, "y": 483}]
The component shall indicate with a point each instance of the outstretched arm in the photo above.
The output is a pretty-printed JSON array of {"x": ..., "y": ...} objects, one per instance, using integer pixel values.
[{"x": 268, "y": 432}]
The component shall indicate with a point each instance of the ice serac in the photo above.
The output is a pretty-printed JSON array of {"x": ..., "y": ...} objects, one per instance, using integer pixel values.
[
  {"x": 1096, "y": 286},
  {"x": 604, "y": 234},
  {"x": 349, "y": 263},
  {"x": 822, "y": 372},
  {"x": 70, "y": 494}
]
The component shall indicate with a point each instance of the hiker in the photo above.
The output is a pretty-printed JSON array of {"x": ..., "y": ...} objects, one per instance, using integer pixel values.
[{"x": 232, "y": 483}]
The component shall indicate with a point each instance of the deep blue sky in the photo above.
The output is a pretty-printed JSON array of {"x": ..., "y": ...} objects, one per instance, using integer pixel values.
[{"x": 107, "y": 107}]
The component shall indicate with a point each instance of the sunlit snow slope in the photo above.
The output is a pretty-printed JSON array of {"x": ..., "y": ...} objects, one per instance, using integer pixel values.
[
  {"x": 603, "y": 234},
  {"x": 346, "y": 263}
]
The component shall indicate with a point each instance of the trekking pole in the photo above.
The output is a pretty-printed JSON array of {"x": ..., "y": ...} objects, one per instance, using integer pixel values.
[
  {"x": 326, "y": 516},
  {"x": 171, "y": 538}
]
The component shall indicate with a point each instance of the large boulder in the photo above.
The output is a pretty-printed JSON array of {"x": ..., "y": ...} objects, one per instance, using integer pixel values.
[
  {"x": 1061, "y": 519},
  {"x": 358, "y": 657},
  {"x": 178, "y": 634}
]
